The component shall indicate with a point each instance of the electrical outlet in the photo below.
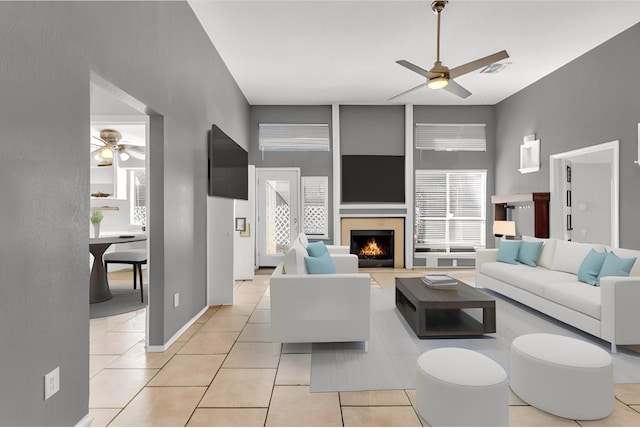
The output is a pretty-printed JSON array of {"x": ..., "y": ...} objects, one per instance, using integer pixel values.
[
  {"x": 176, "y": 300},
  {"x": 51, "y": 383}
]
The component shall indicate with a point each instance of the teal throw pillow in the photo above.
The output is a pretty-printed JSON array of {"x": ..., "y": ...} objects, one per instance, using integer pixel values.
[
  {"x": 508, "y": 251},
  {"x": 322, "y": 264},
  {"x": 530, "y": 252},
  {"x": 615, "y": 266},
  {"x": 316, "y": 249},
  {"x": 591, "y": 266}
]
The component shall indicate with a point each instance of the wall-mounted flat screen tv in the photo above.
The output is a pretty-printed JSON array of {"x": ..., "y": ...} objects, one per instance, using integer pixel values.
[
  {"x": 228, "y": 167},
  {"x": 372, "y": 179}
]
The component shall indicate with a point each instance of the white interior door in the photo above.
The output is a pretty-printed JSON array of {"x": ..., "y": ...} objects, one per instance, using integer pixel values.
[{"x": 278, "y": 207}]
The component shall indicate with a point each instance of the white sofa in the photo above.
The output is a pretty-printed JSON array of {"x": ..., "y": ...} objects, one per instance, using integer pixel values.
[
  {"x": 610, "y": 311},
  {"x": 323, "y": 307}
]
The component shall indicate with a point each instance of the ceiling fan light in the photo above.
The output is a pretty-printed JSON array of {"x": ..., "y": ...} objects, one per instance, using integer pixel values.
[
  {"x": 438, "y": 83},
  {"x": 124, "y": 156},
  {"x": 106, "y": 153}
]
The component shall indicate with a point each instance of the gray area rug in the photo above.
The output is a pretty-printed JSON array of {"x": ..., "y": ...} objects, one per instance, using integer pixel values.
[
  {"x": 394, "y": 348},
  {"x": 124, "y": 300}
]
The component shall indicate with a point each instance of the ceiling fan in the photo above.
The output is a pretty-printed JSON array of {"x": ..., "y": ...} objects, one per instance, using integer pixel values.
[
  {"x": 440, "y": 76},
  {"x": 112, "y": 144}
]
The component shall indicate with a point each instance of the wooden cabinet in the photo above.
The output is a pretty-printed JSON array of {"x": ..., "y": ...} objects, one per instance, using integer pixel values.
[{"x": 530, "y": 211}]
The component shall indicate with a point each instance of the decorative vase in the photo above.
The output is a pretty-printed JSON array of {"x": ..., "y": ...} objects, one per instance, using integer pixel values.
[{"x": 96, "y": 230}]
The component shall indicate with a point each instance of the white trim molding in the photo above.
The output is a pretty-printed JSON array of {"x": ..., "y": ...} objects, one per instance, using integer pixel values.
[
  {"x": 408, "y": 186},
  {"x": 162, "y": 348}
]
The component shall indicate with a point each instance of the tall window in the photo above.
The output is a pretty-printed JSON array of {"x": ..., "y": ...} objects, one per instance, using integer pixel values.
[
  {"x": 315, "y": 202},
  {"x": 138, "y": 197},
  {"x": 450, "y": 209}
]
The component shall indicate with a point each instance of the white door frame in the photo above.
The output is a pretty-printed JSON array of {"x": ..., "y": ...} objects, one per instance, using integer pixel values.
[
  {"x": 555, "y": 225},
  {"x": 295, "y": 223}
]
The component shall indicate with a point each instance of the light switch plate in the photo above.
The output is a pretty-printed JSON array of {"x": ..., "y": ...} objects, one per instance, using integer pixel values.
[{"x": 51, "y": 383}]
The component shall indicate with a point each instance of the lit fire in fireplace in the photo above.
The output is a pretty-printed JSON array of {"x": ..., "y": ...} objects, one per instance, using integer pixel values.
[{"x": 371, "y": 249}]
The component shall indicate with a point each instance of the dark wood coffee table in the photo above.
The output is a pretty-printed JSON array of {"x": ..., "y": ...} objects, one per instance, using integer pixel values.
[{"x": 441, "y": 313}]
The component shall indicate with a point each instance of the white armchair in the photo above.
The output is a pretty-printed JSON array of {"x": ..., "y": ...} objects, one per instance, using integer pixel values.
[{"x": 321, "y": 308}]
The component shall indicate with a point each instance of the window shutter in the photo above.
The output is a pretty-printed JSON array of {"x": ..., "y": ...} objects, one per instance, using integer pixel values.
[
  {"x": 280, "y": 137},
  {"x": 451, "y": 137},
  {"x": 315, "y": 204}
]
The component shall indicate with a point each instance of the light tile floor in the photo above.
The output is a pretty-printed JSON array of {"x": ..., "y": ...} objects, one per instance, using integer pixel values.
[{"x": 222, "y": 372}]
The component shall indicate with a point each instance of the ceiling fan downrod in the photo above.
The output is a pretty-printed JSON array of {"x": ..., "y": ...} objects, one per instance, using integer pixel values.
[{"x": 437, "y": 7}]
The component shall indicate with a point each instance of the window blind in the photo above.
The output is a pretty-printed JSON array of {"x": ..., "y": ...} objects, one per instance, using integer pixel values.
[
  {"x": 280, "y": 137},
  {"x": 451, "y": 137},
  {"x": 315, "y": 203},
  {"x": 450, "y": 209}
]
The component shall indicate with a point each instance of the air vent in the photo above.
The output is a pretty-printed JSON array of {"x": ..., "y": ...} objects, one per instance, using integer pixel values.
[{"x": 494, "y": 68}]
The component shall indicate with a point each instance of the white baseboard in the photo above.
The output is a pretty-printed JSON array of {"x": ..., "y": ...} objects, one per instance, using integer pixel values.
[
  {"x": 162, "y": 348},
  {"x": 86, "y": 421}
]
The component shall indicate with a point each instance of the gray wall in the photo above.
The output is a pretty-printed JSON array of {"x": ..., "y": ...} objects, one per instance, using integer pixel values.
[
  {"x": 591, "y": 186},
  {"x": 310, "y": 163},
  {"x": 158, "y": 53},
  {"x": 593, "y": 99},
  {"x": 461, "y": 160},
  {"x": 372, "y": 130}
]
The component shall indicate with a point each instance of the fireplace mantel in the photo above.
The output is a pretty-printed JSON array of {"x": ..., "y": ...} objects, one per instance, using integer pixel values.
[{"x": 347, "y": 224}]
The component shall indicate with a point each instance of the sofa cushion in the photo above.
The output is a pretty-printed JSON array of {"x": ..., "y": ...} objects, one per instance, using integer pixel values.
[
  {"x": 303, "y": 239},
  {"x": 508, "y": 251},
  {"x": 316, "y": 249},
  {"x": 569, "y": 255},
  {"x": 616, "y": 266},
  {"x": 590, "y": 267},
  {"x": 294, "y": 259},
  {"x": 548, "y": 249},
  {"x": 525, "y": 277},
  {"x": 575, "y": 295},
  {"x": 529, "y": 253},
  {"x": 320, "y": 265},
  {"x": 627, "y": 254}
]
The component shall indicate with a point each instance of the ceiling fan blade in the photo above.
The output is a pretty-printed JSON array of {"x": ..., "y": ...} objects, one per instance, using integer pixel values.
[
  {"x": 101, "y": 140},
  {"x": 407, "y": 91},
  {"x": 421, "y": 71},
  {"x": 136, "y": 151},
  {"x": 456, "y": 89},
  {"x": 479, "y": 63},
  {"x": 96, "y": 151}
]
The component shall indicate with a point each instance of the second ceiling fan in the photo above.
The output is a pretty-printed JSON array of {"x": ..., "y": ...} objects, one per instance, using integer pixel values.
[{"x": 440, "y": 76}]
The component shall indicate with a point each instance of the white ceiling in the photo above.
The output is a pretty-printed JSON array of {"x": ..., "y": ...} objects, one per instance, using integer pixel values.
[
  {"x": 338, "y": 51},
  {"x": 109, "y": 112}
]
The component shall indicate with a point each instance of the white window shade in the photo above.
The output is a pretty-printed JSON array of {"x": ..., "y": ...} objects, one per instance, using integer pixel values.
[
  {"x": 451, "y": 137},
  {"x": 315, "y": 204},
  {"x": 450, "y": 209},
  {"x": 279, "y": 137}
]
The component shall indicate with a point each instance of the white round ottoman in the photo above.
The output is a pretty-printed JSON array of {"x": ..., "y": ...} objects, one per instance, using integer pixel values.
[
  {"x": 563, "y": 376},
  {"x": 459, "y": 387}
]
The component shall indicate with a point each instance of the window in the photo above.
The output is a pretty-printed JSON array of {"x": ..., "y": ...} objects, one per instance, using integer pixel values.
[
  {"x": 281, "y": 137},
  {"x": 138, "y": 197},
  {"x": 450, "y": 209},
  {"x": 466, "y": 137},
  {"x": 315, "y": 204}
]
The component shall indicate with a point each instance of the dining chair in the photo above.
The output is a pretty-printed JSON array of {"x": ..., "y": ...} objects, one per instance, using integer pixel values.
[{"x": 137, "y": 258}]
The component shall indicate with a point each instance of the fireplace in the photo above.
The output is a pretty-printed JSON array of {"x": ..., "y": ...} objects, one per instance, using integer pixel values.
[{"x": 374, "y": 248}]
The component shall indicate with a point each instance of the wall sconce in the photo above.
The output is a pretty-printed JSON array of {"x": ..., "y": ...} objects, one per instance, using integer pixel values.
[{"x": 530, "y": 155}]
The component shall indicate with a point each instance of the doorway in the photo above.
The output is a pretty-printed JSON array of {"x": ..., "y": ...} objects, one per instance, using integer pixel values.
[
  {"x": 278, "y": 210},
  {"x": 585, "y": 194},
  {"x": 119, "y": 143}
]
